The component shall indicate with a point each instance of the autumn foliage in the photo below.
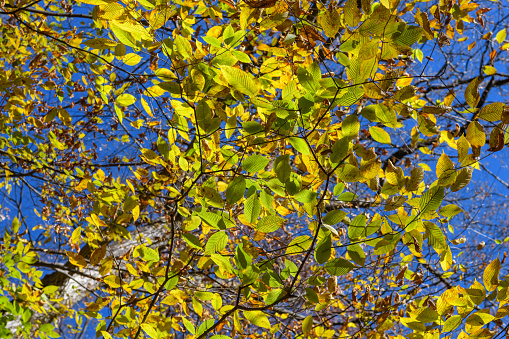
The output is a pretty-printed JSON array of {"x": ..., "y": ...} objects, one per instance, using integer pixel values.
[{"x": 247, "y": 169}]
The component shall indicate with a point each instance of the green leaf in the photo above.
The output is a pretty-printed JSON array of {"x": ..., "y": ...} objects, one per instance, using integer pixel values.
[
  {"x": 46, "y": 327},
  {"x": 282, "y": 167},
  {"x": 163, "y": 148},
  {"x": 299, "y": 245},
  {"x": 252, "y": 208},
  {"x": 126, "y": 99},
  {"x": 452, "y": 323},
  {"x": 122, "y": 35},
  {"x": 192, "y": 240},
  {"x": 343, "y": 59},
  {"x": 339, "y": 266},
  {"x": 183, "y": 46},
  {"x": 357, "y": 227},
  {"x": 204, "y": 326},
  {"x": 323, "y": 250},
  {"x": 240, "y": 80},
  {"x": 426, "y": 315},
  {"x": 149, "y": 254},
  {"x": 269, "y": 224},
  {"x": 300, "y": 145},
  {"x": 217, "y": 242},
  {"x": 189, "y": 326},
  {"x": 252, "y": 127},
  {"x": 223, "y": 262},
  {"x": 357, "y": 254},
  {"x": 312, "y": 296},
  {"x": 306, "y": 196},
  {"x": 436, "y": 237},
  {"x": 339, "y": 150},
  {"x": 235, "y": 190},
  {"x": 334, "y": 217},
  {"x": 380, "y": 135},
  {"x": 431, "y": 200},
  {"x": 350, "y": 126},
  {"x": 254, "y": 163}
]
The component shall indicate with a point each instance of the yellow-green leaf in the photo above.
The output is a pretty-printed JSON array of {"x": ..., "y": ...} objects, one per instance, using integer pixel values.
[
  {"x": 380, "y": 135},
  {"x": 126, "y": 99},
  {"x": 350, "y": 126},
  {"x": 307, "y": 325},
  {"x": 112, "y": 281},
  {"x": 240, "y": 80},
  {"x": 330, "y": 21},
  {"x": 269, "y": 223},
  {"x": 452, "y": 323},
  {"x": 299, "y": 245},
  {"x": 100, "y": 43}
]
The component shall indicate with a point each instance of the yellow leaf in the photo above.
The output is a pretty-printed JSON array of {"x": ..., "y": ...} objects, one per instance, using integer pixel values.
[
  {"x": 444, "y": 164},
  {"x": 489, "y": 70},
  {"x": 100, "y": 43},
  {"x": 307, "y": 325},
  {"x": 146, "y": 107},
  {"x": 492, "y": 112},
  {"x": 76, "y": 259},
  {"x": 131, "y": 59},
  {"x": 404, "y": 81},
  {"x": 501, "y": 36},
  {"x": 472, "y": 96},
  {"x": 75, "y": 237},
  {"x": 112, "y": 281},
  {"x": 490, "y": 276},
  {"x": 475, "y": 134},
  {"x": 330, "y": 21},
  {"x": 136, "y": 212},
  {"x": 110, "y": 11},
  {"x": 98, "y": 255},
  {"x": 138, "y": 31}
]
